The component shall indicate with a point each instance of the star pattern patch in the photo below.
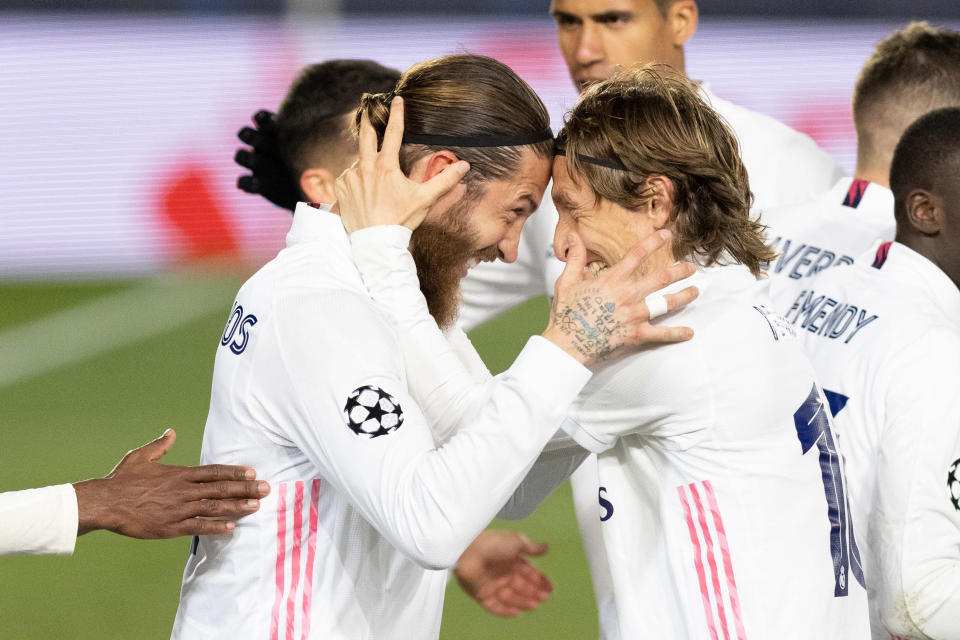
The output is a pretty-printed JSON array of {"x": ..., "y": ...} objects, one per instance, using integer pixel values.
[
  {"x": 371, "y": 412},
  {"x": 953, "y": 483}
]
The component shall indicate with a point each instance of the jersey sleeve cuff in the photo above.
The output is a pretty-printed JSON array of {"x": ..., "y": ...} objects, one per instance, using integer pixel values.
[
  {"x": 66, "y": 539},
  {"x": 39, "y": 521},
  {"x": 551, "y": 371},
  {"x": 392, "y": 235},
  {"x": 584, "y": 438}
]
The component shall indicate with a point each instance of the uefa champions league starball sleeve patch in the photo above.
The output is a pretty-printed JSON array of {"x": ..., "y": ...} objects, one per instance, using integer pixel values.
[
  {"x": 370, "y": 412},
  {"x": 953, "y": 483}
]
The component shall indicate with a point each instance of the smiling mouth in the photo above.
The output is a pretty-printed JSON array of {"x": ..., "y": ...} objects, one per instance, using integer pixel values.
[
  {"x": 596, "y": 268},
  {"x": 471, "y": 263}
]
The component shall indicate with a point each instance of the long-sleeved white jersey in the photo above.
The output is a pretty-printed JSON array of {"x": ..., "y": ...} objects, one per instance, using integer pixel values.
[
  {"x": 784, "y": 166},
  {"x": 39, "y": 521},
  {"x": 309, "y": 388},
  {"x": 721, "y": 489},
  {"x": 884, "y": 337}
]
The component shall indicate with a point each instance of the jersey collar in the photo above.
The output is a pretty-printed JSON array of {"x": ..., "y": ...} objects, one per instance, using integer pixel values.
[
  {"x": 899, "y": 261},
  {"x": 862, "y": 197},
  {"x": 315, "y": 222}
]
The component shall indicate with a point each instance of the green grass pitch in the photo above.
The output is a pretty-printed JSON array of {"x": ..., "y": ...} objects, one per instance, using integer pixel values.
[{"x": 77, "y": 421}]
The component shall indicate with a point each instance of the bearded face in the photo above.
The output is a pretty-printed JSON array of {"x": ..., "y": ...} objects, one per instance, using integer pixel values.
[{"x": 443, "y": 251}]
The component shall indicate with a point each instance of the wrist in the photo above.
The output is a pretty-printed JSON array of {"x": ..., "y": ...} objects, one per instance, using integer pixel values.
[
  {"x": 559, "y": 339},
  {"x": 93, "y": 505}
]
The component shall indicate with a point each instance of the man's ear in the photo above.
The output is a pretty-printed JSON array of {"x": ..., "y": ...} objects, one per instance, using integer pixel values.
[
  {"x": 436, "y": 162},
  {"x": 924, "y": 211},
  {"x": 661, "y": 200},
  {"x": 682, "y": 18},
  {"x": 317, "y": 185}
]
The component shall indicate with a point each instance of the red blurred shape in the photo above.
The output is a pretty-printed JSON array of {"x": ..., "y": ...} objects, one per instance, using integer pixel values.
[
  {"x": 534, "y": 56},
  {"x": 829, "y": 124},
  {"x": 199, "y": 221}
]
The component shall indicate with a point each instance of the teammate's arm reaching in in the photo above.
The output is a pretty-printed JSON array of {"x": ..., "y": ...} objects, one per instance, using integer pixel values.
[{"x": 140, "y": 498}]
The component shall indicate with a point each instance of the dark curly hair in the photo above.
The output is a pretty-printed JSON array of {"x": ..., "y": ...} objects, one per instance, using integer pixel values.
[{"x": 653, "y": 121}]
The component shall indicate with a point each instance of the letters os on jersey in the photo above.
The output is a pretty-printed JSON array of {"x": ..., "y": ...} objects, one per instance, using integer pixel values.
[
  {"x": 309, "y": 388},
  {"x": 887, "y": 352}
]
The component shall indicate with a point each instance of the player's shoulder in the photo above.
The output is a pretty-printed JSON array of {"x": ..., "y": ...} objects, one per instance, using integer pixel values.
[
  {"x": 733, "y": 313},
  {"x": 760, "y": 131},
  {"x": 754, "y": 124},
  {"x": 808, "y": 214},
  {"x": 306, "y": 269}
]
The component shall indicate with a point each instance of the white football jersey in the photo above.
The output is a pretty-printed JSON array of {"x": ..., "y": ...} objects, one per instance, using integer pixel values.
[
  {"x": 829, "y": 230},
  {"x": 310, "y": 389},
  {"x": 784, "y": 166},
  {"x": 722, "y": 504},
  {"x": 884, "y": 337}
]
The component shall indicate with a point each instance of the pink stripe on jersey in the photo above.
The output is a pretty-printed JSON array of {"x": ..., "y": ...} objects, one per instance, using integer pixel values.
[
  {"x": 711, "y": 559},
  {"x": 295, "y": 555},
  {"x": 727, "y": 564},
  {"x": 311, "y": 554},
  {"x": 281, "y": 557},
  {"x": 704, "y": 593}
]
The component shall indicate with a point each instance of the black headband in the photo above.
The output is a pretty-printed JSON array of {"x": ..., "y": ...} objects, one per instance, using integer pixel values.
[
  {"x": 609, "y": 164},
  {"x": 515, "y": 140}
]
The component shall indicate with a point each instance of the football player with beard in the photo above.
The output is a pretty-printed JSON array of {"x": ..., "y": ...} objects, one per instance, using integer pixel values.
[{"x": 310, "y": 384}]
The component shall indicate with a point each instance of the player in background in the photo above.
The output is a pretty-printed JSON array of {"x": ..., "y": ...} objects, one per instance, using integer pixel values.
[
  {"x": 724, "y": 513},
  {"x": 884, "y": 336},
  {"x": 311, "y": 136},
  {"x": 912, "y": 71},
  {"x": 310, "y": 385}
]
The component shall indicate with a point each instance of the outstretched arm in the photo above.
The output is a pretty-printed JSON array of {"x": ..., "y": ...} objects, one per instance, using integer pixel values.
[{"x": 140, "y": 498}]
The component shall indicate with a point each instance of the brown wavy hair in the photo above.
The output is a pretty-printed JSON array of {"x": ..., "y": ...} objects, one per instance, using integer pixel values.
[
  {"x": 653, "y": 121},
  {"x": 463, "y": 95}
]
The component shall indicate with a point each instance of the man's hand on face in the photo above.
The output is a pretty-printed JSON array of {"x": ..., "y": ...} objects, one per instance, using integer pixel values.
[
  {"x": 375, "y": 192},
  {"x": 141, "y": 498},
  {"x": 592, "y": 317},
  {"x": 270, "y": 177},
  {"x": 495, "y": 572}
]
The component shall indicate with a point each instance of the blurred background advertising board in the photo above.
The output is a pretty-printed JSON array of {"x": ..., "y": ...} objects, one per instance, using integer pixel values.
[{"x": 119, "y": 129}]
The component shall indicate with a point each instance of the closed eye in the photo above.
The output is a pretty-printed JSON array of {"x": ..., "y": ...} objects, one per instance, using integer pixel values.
[
  {"x": 565, "y": 19},
  {"x": 614, "y": 18}
]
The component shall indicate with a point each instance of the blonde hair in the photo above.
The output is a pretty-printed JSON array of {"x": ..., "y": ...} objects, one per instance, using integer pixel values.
[
  {"x": 912, "y": 71},
  {"x": 653, "y": 121}
]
